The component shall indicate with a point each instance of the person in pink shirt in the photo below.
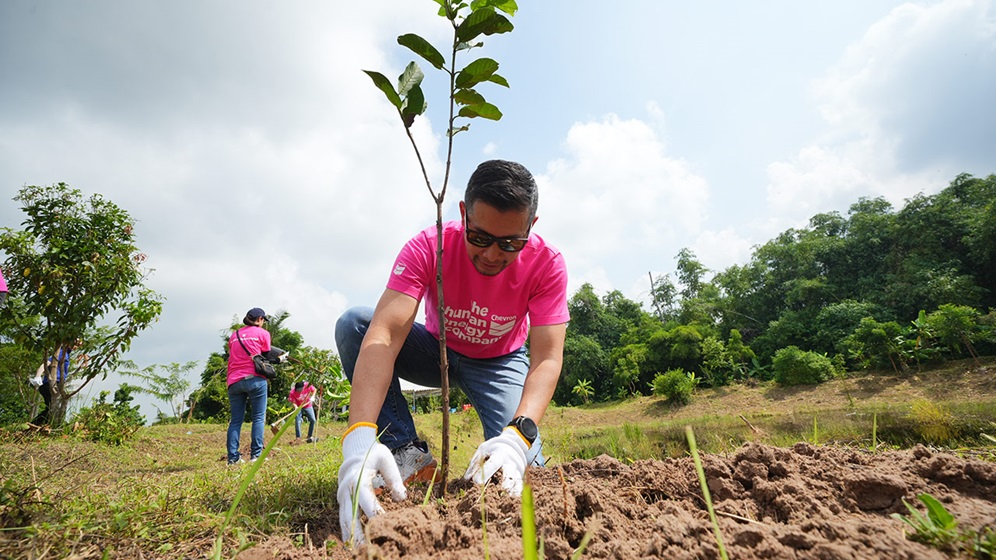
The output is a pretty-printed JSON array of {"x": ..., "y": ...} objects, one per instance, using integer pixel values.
[
  {"x": 503, "y": 284},
  {"x": 3, "y": 289},
  {"x": 303, "y": 395},
  {"x": 245, "y": 386}
]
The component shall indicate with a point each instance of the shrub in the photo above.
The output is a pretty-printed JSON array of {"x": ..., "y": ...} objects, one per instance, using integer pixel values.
[
  {"x": 793, "y": 366},
  {"x": 109, "y": 423},
  {"x": 675, "y": 385}
]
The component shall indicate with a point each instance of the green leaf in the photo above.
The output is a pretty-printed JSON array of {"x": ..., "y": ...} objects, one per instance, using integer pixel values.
[
  {"x": 423, "y": 48},
  {"x": 467, "y": 97},
  {"x": 410, "y": 78},
  {"x": 484, "y": 110},
  {"x": 507, "y": 6},
  {"x": 414, "y": 105},
  {"x": 500, "y": 80},
  {"x": 384, "y": 85},
  {"x": 476, "y": 72},
  {"x": 940, "y": 516},
  {"x": 483, "y": 21}
]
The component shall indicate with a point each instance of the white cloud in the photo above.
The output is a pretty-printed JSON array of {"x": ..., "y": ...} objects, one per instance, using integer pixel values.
[
  {"x": 618, "y": 196},
  {"x": 902, "y": 118}
]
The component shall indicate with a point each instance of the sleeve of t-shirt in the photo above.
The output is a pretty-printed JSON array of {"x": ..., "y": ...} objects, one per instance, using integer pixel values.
[
  {"x": 549, "y": 304},
  {"x": 414, "y": 268}
]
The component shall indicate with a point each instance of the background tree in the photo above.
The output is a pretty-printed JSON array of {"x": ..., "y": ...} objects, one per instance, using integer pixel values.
[
  {"x": 169, "y": 387},
  {"x": 73, "y": 267}
]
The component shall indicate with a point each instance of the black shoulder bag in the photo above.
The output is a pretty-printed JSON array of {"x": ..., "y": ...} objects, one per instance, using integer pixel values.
[{"x": 263, "y": 367}]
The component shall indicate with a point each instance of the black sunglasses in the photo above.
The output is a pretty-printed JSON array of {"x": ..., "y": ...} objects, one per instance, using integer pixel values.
[{"x": 484, "y": 240}]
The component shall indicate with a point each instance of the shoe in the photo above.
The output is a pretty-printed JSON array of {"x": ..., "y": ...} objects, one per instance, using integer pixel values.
[
  {"x": 237, "y": 463},
  {"x": 254, "y": 459},
  {"x": 415, "y": 463},
  {"x": 311, "y": 440}
]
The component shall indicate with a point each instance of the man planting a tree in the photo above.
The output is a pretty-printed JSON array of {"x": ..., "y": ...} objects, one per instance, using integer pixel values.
[{"x": 502, "y": 284}]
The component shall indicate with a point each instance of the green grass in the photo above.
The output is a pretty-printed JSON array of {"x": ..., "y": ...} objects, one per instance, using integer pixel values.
[{"x": 167, "y": 491}]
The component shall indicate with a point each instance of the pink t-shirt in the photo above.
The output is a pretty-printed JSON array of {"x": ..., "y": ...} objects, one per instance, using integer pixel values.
[
  {"x": 240, "y": 366},
  {"x": 486, "y": 316},
  {"x": 3, "y": 283},
  {"x": 303, "y": 397}
]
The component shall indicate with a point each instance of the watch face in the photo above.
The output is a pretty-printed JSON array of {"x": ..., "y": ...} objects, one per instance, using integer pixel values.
[{"x": 527, "y": 427}]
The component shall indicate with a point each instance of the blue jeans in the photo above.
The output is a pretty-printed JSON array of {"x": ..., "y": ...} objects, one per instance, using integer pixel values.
[
  {"x": 251, "y": 391},
  {"x": 310, "y": 414},
  {"x": 493, "y": 385}
]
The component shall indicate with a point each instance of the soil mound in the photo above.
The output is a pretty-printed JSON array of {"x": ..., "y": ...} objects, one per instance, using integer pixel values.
[{"x": 803, "y": 502}]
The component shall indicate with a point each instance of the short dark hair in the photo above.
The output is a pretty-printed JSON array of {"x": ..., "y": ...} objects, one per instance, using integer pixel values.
[{"x": 504, "y": 185}]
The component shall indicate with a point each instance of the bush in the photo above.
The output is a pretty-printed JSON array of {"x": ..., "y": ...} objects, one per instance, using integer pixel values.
[
  {"x": 674, "y": 384},
  {"x": 109, "y": 423},
  {"x": 793, "y": 366}
]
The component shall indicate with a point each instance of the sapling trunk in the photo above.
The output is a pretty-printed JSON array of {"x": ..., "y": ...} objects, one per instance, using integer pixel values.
[{"x": 408, "y": 99}]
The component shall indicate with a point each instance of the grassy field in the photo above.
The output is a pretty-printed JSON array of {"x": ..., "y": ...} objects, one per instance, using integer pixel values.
[{"x": 165, "y": 493}]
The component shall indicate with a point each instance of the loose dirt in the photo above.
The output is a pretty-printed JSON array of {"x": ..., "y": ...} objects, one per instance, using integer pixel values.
[{"x": 800, "y": 502}]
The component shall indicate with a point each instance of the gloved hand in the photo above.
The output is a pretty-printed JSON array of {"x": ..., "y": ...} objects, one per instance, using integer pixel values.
[
  {"x": 362, "y": 458},
  {"x": 507, "y": 452},
  {"x": 283, "y": 357}
]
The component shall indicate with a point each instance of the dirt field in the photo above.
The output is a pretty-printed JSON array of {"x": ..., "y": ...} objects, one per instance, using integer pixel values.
[{"x": 803, "y": 502}]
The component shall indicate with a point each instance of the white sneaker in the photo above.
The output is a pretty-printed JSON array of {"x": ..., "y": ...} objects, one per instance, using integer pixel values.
[{"x": 415, "y": 463}]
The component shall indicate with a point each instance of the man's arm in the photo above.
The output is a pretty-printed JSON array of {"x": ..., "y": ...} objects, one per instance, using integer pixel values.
[
  {"x": 546, "y": 357},
  {"x": 391, "y": 323}
]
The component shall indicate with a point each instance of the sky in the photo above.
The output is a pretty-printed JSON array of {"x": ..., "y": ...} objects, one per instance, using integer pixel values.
[{"x": 262, "y": 168}]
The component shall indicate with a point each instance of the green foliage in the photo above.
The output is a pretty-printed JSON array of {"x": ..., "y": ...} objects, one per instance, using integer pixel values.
[
  {"x": 17, "y": 364},
  {"x": 626, "y": 373},
  {"x": 937, "y": 528},
  {"x": 583, "y": 389},
  {"x": 584, "y": 360},
  {"x": 955, "y": 326},
  {"x": 874, "y": 344},
  {"x": 793, "y": 366},
  {"x": 676, "y": 385},
  {"x": 111, "y": 423},
  {"x": 169, "y": 387},
  {"x": 74, "y": 263}
]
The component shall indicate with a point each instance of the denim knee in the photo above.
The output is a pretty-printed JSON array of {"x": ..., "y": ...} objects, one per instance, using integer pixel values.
[{"x": 349, "y": 332}]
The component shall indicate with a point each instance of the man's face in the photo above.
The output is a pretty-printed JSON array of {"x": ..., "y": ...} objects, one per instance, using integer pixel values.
[{"x": 483, "y": 221}]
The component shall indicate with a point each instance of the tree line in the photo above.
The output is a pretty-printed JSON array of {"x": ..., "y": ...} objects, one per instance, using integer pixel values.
[{"x": 875, "y": 288}]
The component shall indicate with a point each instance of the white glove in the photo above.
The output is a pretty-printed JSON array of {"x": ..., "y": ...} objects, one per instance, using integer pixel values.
[
  {"x": 283, "y": 357},
  {"x": 35, "y": 381},
  {"x": 507, "y": 452},
  {"x": 362, "y": 458}
]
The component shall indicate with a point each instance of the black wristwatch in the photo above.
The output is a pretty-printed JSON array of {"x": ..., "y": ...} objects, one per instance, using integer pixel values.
[{"x": 526, "y": 427}]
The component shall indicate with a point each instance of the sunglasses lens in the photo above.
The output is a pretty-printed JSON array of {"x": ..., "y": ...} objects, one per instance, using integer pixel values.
[
  {"x": 511, "y": 245},
  {"x": 479, "y": 240}
]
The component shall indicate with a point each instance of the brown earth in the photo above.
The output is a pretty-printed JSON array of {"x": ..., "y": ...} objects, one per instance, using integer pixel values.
[
  {"x": 803, "y": 502},
  {"x": 799, "y": 502}
]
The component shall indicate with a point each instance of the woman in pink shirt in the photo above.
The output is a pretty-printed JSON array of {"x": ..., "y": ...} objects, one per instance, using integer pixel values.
[
  {"x": 245, "y": 387},
  {"x": 303, "y": 394}
]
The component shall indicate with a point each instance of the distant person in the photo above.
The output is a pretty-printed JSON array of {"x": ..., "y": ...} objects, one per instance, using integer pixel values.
[
  {"x": 245, "y": 386},
  {"x": 59, "y": 364},
  {"x": 503, "y": 285},
  {"x": 303, "y": 394},
  {"x": 3, "y": 289}
]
